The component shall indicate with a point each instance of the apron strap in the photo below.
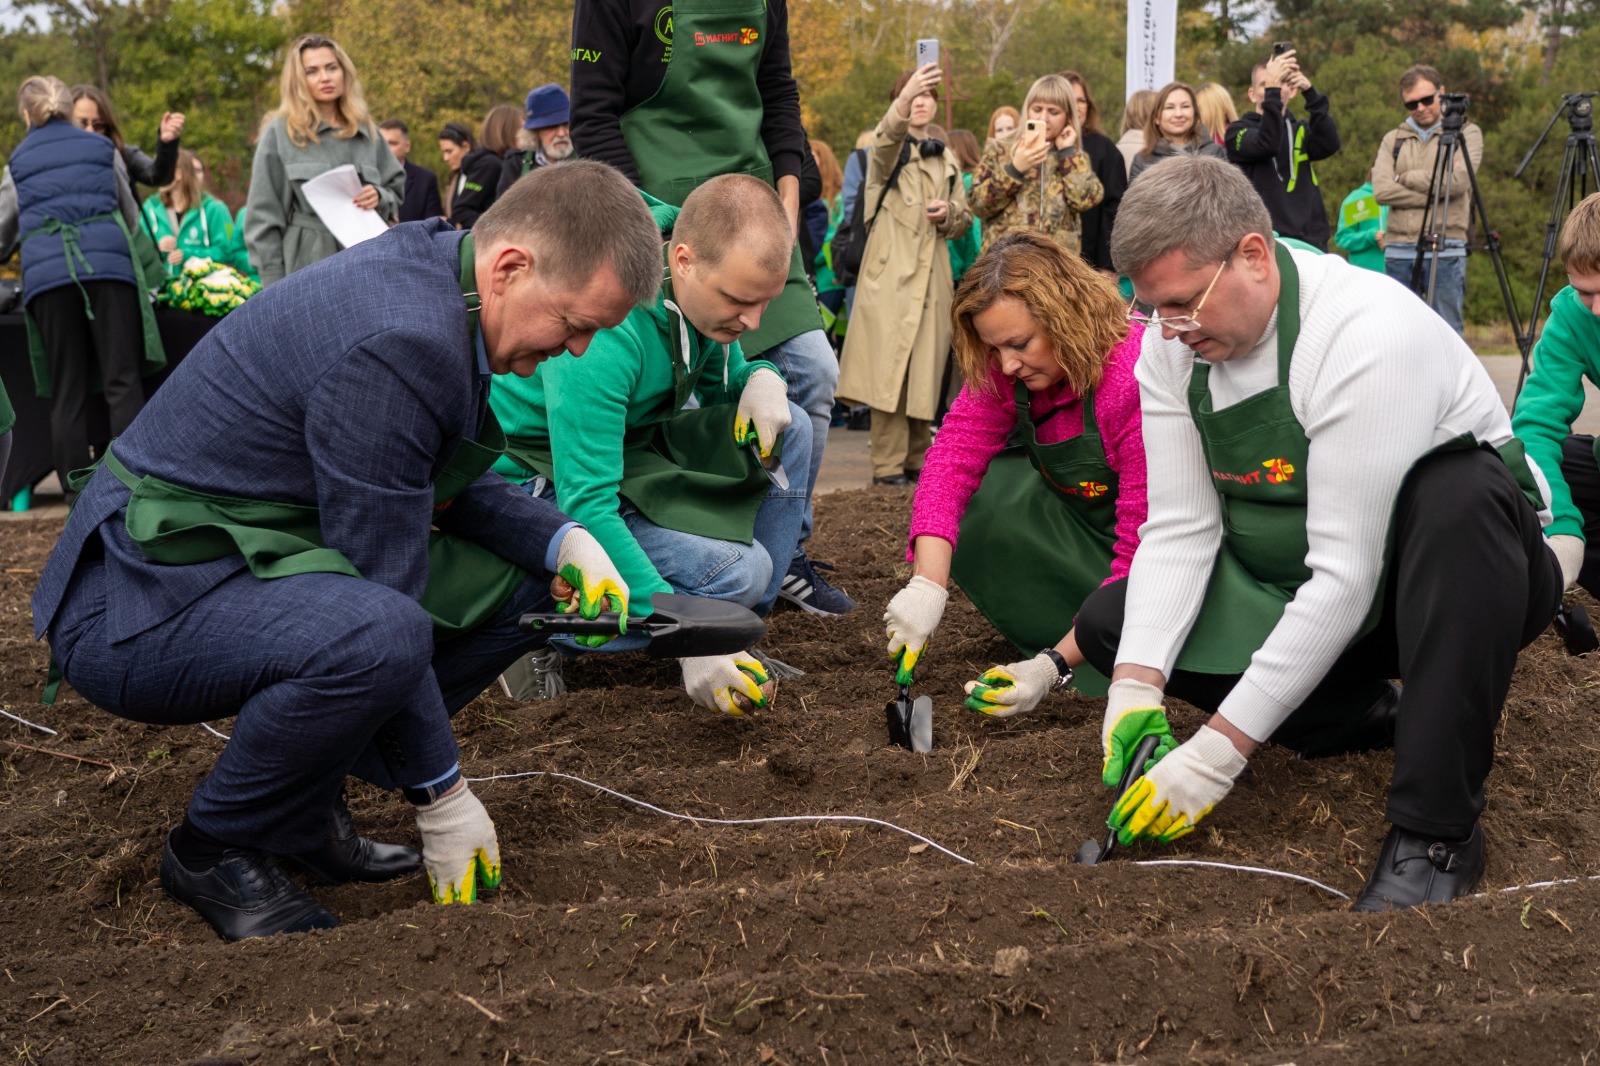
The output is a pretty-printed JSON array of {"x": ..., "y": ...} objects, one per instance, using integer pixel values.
[{"x": 68, "y": 232}]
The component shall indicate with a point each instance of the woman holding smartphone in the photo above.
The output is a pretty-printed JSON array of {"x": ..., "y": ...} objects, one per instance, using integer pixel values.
[
  {"x": 1038, "y": 178},
  {"x": 899, "y": 339}
]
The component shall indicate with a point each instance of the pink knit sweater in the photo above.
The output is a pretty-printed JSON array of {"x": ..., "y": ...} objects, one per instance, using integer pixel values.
[{"x": 975, "y": 429}]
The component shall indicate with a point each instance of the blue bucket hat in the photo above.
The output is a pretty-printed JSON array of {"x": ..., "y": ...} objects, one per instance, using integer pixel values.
[{"x": 547, "y": 106}]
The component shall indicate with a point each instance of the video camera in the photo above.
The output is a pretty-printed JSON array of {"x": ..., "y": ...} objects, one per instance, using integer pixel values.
[
  {"x": 1455, "y": 109},
  {"x": 1580, "y": 111}
]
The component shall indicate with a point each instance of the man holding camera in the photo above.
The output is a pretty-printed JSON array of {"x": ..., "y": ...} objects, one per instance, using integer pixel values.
[
  {"x": 1402, "y": 180},
  {"x": 1270, "y": 145}
]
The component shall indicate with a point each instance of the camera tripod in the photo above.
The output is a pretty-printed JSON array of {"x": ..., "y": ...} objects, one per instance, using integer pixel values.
[
  {"x": 1580, "y": 163},
  {"x": 1434, "y": 217}
]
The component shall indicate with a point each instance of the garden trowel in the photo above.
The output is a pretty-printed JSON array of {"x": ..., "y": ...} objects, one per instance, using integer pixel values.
[
  {"x": 677, "y": 626},
  {"x": 1093, "y": 851},
  {"x": 910, "y": 721}
]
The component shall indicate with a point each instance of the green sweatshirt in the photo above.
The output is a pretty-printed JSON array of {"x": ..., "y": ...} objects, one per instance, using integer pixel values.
[
  {"x": 202, "y": 231},
  {"x": 1361, "y": 218},
  {"x": 583, "y": 407},
  {"x": 1568, "y": 351}
]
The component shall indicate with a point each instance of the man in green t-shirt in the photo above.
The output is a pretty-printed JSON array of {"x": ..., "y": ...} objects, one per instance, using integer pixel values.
[{"x": 1552, "y": 399}]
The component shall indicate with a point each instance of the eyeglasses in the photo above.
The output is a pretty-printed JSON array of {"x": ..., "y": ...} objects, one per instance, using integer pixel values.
[
  {"x": 1421, "y": 101},
  {"x": 1179, "y": 323}
]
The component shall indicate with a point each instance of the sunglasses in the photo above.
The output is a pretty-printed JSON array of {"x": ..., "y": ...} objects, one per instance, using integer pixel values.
[
  {"x": 1421, "y": 101},
  {"x": 98, "y": 127}
]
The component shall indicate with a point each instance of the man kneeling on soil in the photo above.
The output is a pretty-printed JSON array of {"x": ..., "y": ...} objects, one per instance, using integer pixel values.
[
  {"x": 674, "y": 495},
  {"x": 1336, "y": 499},
  {"x": 258, "y": 543}
]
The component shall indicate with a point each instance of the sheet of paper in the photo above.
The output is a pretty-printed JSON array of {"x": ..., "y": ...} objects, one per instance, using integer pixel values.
[{"x": 333, "y": 195}]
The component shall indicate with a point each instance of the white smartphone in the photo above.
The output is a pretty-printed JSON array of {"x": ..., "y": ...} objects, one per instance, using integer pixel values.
[{"x": 927, "y": 51}]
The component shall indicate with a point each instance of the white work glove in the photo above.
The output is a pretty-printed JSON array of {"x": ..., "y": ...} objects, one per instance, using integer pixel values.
[
  {"x": 459, "y": 847},
  {"x": 1569, "y": 554},
  {"x": 713, "y": 680},
  {"x": 588, "y": 582},
  {"x": 1178, "y": 791},
  {"x": 1133, "y": 712},
  {"x": 912, "y": 617},
  {"x": 763, "y": 410},
  {"x": 1003, "y": 691}
]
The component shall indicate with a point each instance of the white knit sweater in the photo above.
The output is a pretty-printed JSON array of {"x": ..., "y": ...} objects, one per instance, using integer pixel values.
[{"x": 1377, "y": 380}]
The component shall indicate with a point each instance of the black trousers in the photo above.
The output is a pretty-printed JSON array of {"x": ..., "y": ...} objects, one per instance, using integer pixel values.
[
  {"x": 76, "y": 346},
  {"x": 1470, "y": 583},
  {"x": 1582, "y": 475}
]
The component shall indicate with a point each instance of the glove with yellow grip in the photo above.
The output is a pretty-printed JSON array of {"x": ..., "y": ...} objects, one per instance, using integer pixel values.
[
  {"x": 731, "y": 684},
  {"x": 911, "y": 618},
  {"x": 459, "y": 846},
  {"x": 590, "y": 582},
  {"x": 1181, "y": 789}
]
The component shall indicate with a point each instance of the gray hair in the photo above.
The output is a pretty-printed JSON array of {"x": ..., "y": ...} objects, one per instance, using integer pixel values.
[
  {"x": 1200, "y": 204},
  {"x": 579, "y": 217},
  {"x": 43, "y": 98}
]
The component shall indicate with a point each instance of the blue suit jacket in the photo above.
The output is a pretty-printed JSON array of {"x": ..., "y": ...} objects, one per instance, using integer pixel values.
[
  {"x": 422, "y": 195},
  {"x": 348, "y": 385}
]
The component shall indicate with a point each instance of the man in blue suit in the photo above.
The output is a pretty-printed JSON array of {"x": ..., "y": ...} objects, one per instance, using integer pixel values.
[{"x": 300, "y": 530}]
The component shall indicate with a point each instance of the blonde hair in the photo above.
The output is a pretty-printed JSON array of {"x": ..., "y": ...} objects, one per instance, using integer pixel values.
[
  {"x": 1580, "y": 237},
  {"x": 1079, "y": 311},
  {"x": 299, "y": 111},
  {"x": 43, "y": 98},
  {"x": 1137, "y": 110},
  {"x": 1152, "y": 124},
  {"x": 1215, "y": 107},
  {"x": 185, "y": 184}
]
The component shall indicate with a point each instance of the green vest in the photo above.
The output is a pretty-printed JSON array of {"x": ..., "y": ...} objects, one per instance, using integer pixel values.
[
  {"x": 1055, "y": 506},
  {"x": 705, "y": 121}
]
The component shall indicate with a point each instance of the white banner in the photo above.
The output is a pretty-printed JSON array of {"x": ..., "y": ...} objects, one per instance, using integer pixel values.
[{"x": 1152, "y": 43}]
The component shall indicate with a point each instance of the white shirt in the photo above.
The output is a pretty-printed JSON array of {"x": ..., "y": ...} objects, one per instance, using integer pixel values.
[{"x": 1377, "y": 379}]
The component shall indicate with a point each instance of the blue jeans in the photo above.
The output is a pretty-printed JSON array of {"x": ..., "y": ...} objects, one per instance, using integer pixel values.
[
  {"x": 1449, "y": 287},
  {"x": 746, "y": 574},
  {"x": 811, "y": 370},
  {"x": 329, "y": 675}
]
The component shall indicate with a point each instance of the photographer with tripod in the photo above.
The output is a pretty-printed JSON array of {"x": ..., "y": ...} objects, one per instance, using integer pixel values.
[{"x": 1428, "y": 212}]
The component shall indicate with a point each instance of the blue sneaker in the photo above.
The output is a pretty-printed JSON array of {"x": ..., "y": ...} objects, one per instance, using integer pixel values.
[{"x": 807, "y": 590}]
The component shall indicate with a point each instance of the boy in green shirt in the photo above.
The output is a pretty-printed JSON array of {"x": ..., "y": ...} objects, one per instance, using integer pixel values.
[
  {"x": 1569, "y": 351},
  {"x": 676, "y": 496},
  {"x": 1361, "y": 228}
]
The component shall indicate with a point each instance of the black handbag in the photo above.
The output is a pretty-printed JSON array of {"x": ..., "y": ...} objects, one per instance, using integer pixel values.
[{"x": 850, "y": 239}]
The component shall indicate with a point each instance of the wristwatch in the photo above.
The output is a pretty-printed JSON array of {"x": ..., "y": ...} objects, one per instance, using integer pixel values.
[
  {"x": 1063, "y": 671},
  {"x": 423, "y": 795}
]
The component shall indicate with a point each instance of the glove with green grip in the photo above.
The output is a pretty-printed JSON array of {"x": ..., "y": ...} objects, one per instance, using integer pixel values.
[{"x": 1133, "y": 712}]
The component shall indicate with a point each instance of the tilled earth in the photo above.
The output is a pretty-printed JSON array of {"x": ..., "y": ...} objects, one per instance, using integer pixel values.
[{"x": 623, "y": 936}]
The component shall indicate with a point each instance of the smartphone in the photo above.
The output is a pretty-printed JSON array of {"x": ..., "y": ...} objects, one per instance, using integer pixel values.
[
  {"x": 927, "y": 51},
  {"x": 1280, "y": 47},
  {"x": 1034, "y": 125}
]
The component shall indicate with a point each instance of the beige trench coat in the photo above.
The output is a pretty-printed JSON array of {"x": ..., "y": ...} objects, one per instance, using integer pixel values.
[{"x": 899, "y": 336}]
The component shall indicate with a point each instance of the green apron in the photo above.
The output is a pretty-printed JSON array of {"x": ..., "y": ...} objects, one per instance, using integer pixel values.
[
  {"x": 705, "y": 121},
  {"x": 1257, "y": 452},
  {"x": 682, "y": 471},
  {"x": 1054, "y": 505},
  {"x": 155, "y": 356},
  {"x": 178, "y": 526}
]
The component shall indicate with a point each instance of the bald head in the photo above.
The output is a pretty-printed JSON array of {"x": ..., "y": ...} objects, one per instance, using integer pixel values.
[{"x": 735, "y": 210}]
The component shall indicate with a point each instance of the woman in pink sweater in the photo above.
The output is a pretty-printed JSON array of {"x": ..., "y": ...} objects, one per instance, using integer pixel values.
[{"x": 1042, "y": 524}]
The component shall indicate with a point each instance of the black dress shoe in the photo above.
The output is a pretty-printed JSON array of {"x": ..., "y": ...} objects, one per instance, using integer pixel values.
[
  {"x": 895, "y": 481},
  {"x": 1416, "y": 869},
  {"x": 343, "y": 856},
  {"x": 246, "y": 894}
]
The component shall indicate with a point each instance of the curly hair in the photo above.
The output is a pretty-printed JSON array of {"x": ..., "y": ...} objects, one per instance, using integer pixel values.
[{"x": 1079, "y": 310}]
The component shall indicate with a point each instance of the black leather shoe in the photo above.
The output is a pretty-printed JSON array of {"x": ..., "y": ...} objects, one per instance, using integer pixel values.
[
  {"x": 894, "y": 481},
  {"x": 1373, "y": 732},
  {"x": 246, "y": 894},
  {"x": 1416, "y": 869},
  {"x": 344, "y": 856}
]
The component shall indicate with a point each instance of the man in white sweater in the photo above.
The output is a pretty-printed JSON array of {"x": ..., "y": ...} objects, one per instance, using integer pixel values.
[{"x": 1336, "y": 499}]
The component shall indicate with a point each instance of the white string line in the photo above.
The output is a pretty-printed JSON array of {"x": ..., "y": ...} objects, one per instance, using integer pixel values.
[
  {"x": 854, "y": 819},
  {"x": 1547, "y": 884},
  {"x": 1245, "y": 869},
  {"x": 31, "y": 725},
  {"x": 207, "y": 727}
]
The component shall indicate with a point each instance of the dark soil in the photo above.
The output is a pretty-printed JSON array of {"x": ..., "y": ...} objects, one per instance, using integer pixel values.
[{"x": 620, "y": 936}]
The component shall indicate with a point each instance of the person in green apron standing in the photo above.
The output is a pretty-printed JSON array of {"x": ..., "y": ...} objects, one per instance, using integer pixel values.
[
  {"x": 1046, "y": 349},
  {"x": 1336, "y": 500},
  {"x": 676, "y": 496},
  {"x": 673, "y": 94},
  {"x": 301, "y": 532}
]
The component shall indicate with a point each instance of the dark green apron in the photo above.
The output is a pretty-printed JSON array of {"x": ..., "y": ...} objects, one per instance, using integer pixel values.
[
  {"x": 705, "y": 121},
  {"x": 682, "y": 471},
  {"x": 178, "y": 526},
  {"x": 1054, "y": 507},
  {"x": 1257, "y": 453},
  {"x": 155, "y": 356}
]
